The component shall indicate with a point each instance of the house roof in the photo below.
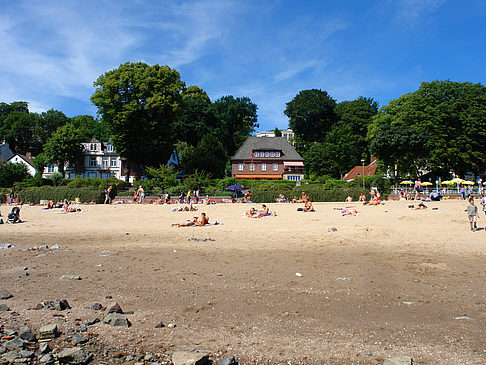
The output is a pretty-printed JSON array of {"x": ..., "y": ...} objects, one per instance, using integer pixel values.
[
  {"x": 5, "y": 152},
  {"x": 357, "y": 170},
  {"x": 288, "y": 152}
]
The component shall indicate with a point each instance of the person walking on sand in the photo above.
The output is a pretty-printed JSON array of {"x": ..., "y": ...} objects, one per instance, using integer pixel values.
[
  {"x": 140, "y": 194},
  {"x": 472, "y": 214},
  {"x": 418, "y": 189},
  {"x": 483, "y": 203},
  {"x": 107, "y": 195}
]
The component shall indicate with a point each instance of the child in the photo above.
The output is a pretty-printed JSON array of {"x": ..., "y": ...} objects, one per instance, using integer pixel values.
[
  {"x": 483, "y": 203},
  {"x": 472, "y": 211}
]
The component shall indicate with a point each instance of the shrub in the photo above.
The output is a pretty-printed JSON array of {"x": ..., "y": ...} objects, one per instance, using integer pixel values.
[{"x": 36, "y": 194}]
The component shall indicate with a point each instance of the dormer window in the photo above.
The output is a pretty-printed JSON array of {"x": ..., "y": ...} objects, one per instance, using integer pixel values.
[
  {"x": 92, "y": 147},
  {"x": 277, "y": 154},
  {"x": 109, "y": 148}
]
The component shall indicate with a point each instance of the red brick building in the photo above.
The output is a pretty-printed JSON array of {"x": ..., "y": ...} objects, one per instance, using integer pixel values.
[
  {"x": 358, "y": 171},
  {"x": 267, "y": 158}
]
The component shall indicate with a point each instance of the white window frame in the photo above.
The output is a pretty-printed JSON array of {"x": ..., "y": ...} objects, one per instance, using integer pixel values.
[
  {"x": 92, "y": 147},
  {"x": 113, "y": 162},
  {"x": 104, "y": 162},
  {"x": 252, "y": 167},
  {"x": 264, "y": 167},
  {"x": 277, "y": 154},
  {"x": 240, "y": 167},
  {"x": 109, "y": 148},
  {"x": 267, "y": 154},
  {"x": 275, "y": 167},
  {"x": 272, "y": 154},
  {"x": 92, "y": 162}
]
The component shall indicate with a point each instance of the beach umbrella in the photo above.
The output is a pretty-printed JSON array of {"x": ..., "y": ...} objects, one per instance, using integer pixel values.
[
  {"x": 457, "y": 180},
  {"x": 448, "y": 182},
  {"x": 407, "y": 182},
  {"x": 427, "y": 183},
  {"x": 468, "y": 182},
  {"x": 235, "y": 187}
]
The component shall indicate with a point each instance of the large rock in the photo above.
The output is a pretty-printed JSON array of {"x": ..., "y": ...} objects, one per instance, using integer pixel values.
[
  {"x": 399, "y": 360},
  {"x": 113, "y": 308},
  {"x": 70, "y": 277},
  {"x": 190, "y": 358},
  {"x": 15, "y": 344},
  {"x": 116, "y": 320},
  {"x": 4, "y": 293},
  {"x": 74, "y": 355},
  {"x": 10, "y": 357},
  {"x": 48, "y": 332},
  {"x": 4, "y": 308},
  {"x": 26, "y": 334}
]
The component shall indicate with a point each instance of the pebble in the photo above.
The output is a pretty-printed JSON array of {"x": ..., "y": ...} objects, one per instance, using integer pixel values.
[
  {"x": 21, "y": 268},
  {"x": 4, "y": 293},
  {"x": 70, "y": 277},
  {"x": 4, "y": 308},
  {"x": 91, "y": 322},
  {"x": 227, "y": 360},
  {"x": 96, "y": 306},
  {"x": 116, "y": 320},
  {"x": 55, "y": 247},
  {"x": 4, "y": 246},
  {"x": 74, "y": 355},
  {"x": 47, "y": 359},
  {"x": 26, "y": 334},
  {"x": 399, "y": 360},
  {"x": 190, "y": 357},
  {"x": 160, "y": 325},
  {"x": 332, "y": 229},
  {"x": 171, "y": 325}
]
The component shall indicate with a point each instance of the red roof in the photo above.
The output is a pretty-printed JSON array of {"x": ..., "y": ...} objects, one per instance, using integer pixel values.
[{"x": 369, "y": 170}]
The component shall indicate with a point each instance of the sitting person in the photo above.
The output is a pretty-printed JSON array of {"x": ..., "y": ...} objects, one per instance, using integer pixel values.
[
  {"x": 51, "y": 204},
  {"x": 193, "y": 222},
  {"x": 349, "y": 199},
  {"x": 251, "y": 213},
  {"x": 362, "y": 198},
  {"x": 203, "y": 221},
  {"x": 349, "y": 212},
  {"x": 68, "y": 208},
  {"x": 262, "y": 212},
  {"x": 14, "y": 215},
  {"x": 281, "y": 199},
  {"x": 308, "y": 207},
  {"x": 301, "y": 200}
]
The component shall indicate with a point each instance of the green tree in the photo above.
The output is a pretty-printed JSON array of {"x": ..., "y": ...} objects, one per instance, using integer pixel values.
[
  {"x": 64, "y": 146},
  {"x": 139, "y": 103},
  {"x": 311, "y": 115},
  {"x": 88, "y": 127},
  {"x": 197, "y": 180},
  {"x": 441, "y": 127},
  {"x": 11, "y": 173},
  {"x": 236, "y": 118},
  {"x": 165, "y": 176},
  {"x": 47, "y": 123},
  {"x": 277, "y": 132},
  {"x": 40, "y": 162}
]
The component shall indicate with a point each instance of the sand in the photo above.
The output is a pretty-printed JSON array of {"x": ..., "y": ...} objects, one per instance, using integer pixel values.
[{"x": 389, "y": 282}]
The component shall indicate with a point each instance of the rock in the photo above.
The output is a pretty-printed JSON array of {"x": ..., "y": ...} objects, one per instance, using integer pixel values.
[
  {"x": 4, "y": 246},
  {"x": 44, "y": 348},
  {"x": 171, "y": 325},
  {"x": 4, "y": 293},
  {"x": 43, "y": 247},
  {"x": 49, "y": 331},
  {"x": 15, "y": 344},
  {"x": 26, "y": 354},
  {"x": 399, "y": 360},
  {"x": 70, "y": 277},
  {"x": 61, "y": 305},
  {"x": 38, "y": 306},
  {"x": 26, "y": 334},
  {"x": 10, "y": 357},
  {"x": 91, "y": 322},
  {"x": 228, "y": 360},
  {"x": 81, "y": 328},
  {"x": 10, "y": 332},
  {"x": 21, "y": 268},
  {"x": 160, "y": 325},
  {"x": 332, "y": 229},
  {"x": 149, "y": 357},
  {"x": 74, "y": 355},
  {"x": 190, "y": 358},
  {"x": 55, "y": 247},
  {"x": 116, "y": 320},
  {"x": 47, "y": 359},
  {"x": 4, "y": 308},
  {"x": 113, "y": 308},
  {"x": 78, "y": 340},
  {"x": 3, "y": 349},
  {"x": 96, "y": 306}
]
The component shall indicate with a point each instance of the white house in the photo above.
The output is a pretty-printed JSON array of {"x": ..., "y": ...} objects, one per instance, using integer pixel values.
[
  {"x": 288, "y": 134},
  {"x": 24, "y": 160}
]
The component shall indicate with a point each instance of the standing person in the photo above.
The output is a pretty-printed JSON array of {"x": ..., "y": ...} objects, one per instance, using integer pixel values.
[
  {"x": 188, "y": 197},
  {"x": 463, "y": 192},
  {"x": 181, "y": 198},
  {"x": 418, "y": 188},
  {"x": 140, "y": 194},
  {"x": 483, "y": 203},
  {"x": 480, "y": 186},
  {"x": 12, "y": 197},
  {"x": 107, "y": 195},
  {"x": 196, "y": 195},
  {"x": 472, "y": 214}
]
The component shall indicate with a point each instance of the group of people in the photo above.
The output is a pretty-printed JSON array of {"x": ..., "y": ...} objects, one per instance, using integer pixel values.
[
  {"x": 195, "y": 221},
  {"x": 254, "y": 213},
  {"x": 472, "y": 212}
]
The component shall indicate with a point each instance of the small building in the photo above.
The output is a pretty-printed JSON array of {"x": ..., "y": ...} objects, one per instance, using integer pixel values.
[
  {"x": 363, "y": 170},
  {"x": 288, "y": 134},
  {"x": 24, "y": 160},
  {"x": 267, "y": 158}
]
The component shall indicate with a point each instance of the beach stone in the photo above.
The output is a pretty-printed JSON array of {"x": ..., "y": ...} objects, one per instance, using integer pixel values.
[
  {"x": 26, "y": 334},
  {"x": 47, "y": 359},
  {"x": 114, "y": 308},
  {"x": 91, "y": 322},
  {"x": 4, "y": 246},
  {"x": 10, "y": 332},
  {"x": 227, "y": 360},
  {"x": 149, "y": 357},
  {"x": 70, "y": 277},
  {"x": 3, "y": 349},
  {"x": 43, "y": 247},
  {"x": 160, "y": 325},
  {"x": 49, "y": 331},
  {"x": 44, "y": 348},
  {"x": 399, "y": 360},
  {"x": 61, "y": 305},
  {"x": 10, "y": 357},
  {"x": 4, "y": 308},
  {"x": 78, "y": 340},
  {"x": 15, "y": 344},
  {"x": 4, "y": 293},
  {"x": 74, "y": 355},
  {"x": 116, "y": 320},
  {"x": 55, "y": 247},
  {"x": 190, "y": 358},
  {"x": 21, "y": 268},
  {"x": 27, "y": 354},
  {"x": 96, "y": 306}
]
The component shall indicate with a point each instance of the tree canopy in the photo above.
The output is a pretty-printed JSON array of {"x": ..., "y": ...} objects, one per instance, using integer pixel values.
[{"x": 64, "y": 146}]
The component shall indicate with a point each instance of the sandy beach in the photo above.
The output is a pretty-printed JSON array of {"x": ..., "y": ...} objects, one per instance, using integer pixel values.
[{"x": 389, "y": 282}]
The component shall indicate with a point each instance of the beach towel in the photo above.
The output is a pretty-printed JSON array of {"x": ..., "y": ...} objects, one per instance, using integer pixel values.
[{"x": 63, "y": 212}]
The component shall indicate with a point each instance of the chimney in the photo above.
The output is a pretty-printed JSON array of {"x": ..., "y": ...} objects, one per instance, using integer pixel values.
[{"x": 28, "y": 154}]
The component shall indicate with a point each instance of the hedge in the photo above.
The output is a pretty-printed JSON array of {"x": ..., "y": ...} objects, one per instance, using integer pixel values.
[
  {"x": 314, "y": 192},
  {"x": 85, "y": 195}
]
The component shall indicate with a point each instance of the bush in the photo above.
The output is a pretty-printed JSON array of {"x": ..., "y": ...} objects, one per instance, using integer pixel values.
[{"x": 86, "y": 195}]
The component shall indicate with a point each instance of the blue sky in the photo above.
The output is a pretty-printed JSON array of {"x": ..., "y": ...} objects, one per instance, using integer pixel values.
[{"x": 52, "y": 51}]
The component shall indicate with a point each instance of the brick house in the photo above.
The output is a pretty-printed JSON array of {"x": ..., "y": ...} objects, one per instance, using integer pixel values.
[
  {"x": 358, "y": 171},
  {"x": 267, "y": 158}
]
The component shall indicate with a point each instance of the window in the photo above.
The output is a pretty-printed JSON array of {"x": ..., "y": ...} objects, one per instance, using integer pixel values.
[
  {"x": 109, "y": 148},
  {"x": 272, "y": 154},
  {"x": 50, "y": 168},
  {"x": 240, "y": 167},
  {"x": 264, "y": 167},
  {"x": 267, "y": 154},
  {"x": 92, "y": 147},
  {"x": 275, "y": 167},
  {"x": 256, "y": 154},
  {"x": 92, "y": 162},
  {"x": 113, "y": 162},
  {"x": 252, "y": 167},
  {"x": 105, "y": 162},
  {"x": 277, "y": 154}
]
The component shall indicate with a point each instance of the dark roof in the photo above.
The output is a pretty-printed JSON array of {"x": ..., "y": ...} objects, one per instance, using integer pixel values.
[
  {"x": 26, "y": 159},
  {"x": 5, "y": 152},
  {"x": 369, "y": 170},
  {"x": 289, "y": 153}
]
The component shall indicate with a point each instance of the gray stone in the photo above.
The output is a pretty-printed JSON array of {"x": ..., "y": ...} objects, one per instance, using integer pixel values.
[
  {"x": 96, "y": 306},
  {"x": 10, "y": 357},
  {"x": 43, "y": 247},
  {"x": 91, "y": 322},
  {"x": 55, "y": 247},
  {"x": 116, "y": 320},
  {"x": 171, "y": 325},
  {"x": 21, "y": 268},
  {"x": 149, "y": 357},
  {"x": 81, "y": 328},
  {"x": 26, "y": 334},
  {"x": 4, "y": 293},
  {"x": 26, "y": 354},
  {"x": 3, "y": 349},
  {"x": 160, "y": 325},
  {"x": 4, "y": 246},
  {"x": 61, "y": 305},
  {"x": 190, "y": 358},
  {"x": 228, "y": 360},
  {"x": 15, "y": 344},
  {"x": 74, "y": 355},
  {"x": 78, "y": 340},
  {"x": 47, "y": 359},
  {"x": 49, "y": 331},
  {"x": 113, "y": 308},
  {"x": 9, "y": 332},
  {"x": 4, "y": 308},
  {"x": 70, "y": 277},
  {"x": 399, "y": 360},
  {"x": 44, "y": 348}
]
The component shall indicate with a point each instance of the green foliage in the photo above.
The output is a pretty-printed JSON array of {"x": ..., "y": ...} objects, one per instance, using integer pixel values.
[
  {"x": 164, "y": 177},
  {"x": 139, "y": 103},
  {"x": 316, "y": 193},
  {"x": 88, "y": 128},
  {"x": 277, "y": 132},
  {"x": 58, "y": 179},
  {"x": 11, "y": 173},
  {"x": 36, "y": 194},
  {"x": 98, "y": 183},
  {"x": 64, "y": 146},
  {"x": 197, "y": 180}
]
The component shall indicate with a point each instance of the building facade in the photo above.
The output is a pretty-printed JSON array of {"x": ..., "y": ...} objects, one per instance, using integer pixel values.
[
  {"x": 267, "y": 158},
  {"x": 288, "y": 134},
  {"x": 24, "y": 160}
]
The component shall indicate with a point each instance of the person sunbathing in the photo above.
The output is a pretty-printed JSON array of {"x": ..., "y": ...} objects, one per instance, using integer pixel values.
[
  {"x": 193, "y": 222},
  {"x": 251, "y": 213},
  {"x": 349, "y": 212},
  {"x": 51, "y": 204},
  {"x": 262, "y": 212},
  {"x": 362, "y": 198},
  {"x": 308, "y": 207},
  {"x": 203, "y": 221},
  {"x": 421, "y": 206}
]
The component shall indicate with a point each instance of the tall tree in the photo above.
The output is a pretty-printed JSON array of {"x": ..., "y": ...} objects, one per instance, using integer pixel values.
[
  {"x": 47, "y": 123},
  {"x": 18, "y": 129},
  {"x": 89, "y": 127},
  {"x": 448, "y": 118},
  {"x": 237, "y": 118},
  {"x": 139, "y": 103},
  {"x": 311, "y": 115},
  {"x": 64, "y": 146}
]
